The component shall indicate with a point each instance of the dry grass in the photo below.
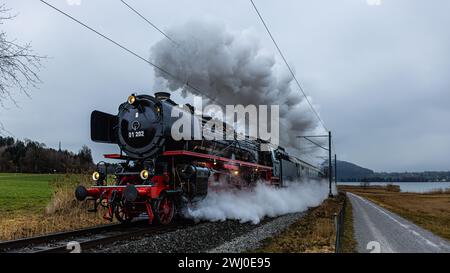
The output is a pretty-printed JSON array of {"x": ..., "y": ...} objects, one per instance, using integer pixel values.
[
  {"x": 315, "y": 232},
  {"x": 62, "y": 213},
  {"x": 392, "y": 188},
  {"x": 349, "y": 244},
  {"x": 428, "y": 210},
  {"x": 438, "y": 191}
]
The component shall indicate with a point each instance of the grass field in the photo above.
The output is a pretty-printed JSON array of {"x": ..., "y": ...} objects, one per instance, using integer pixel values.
[
  {"x": 36, "y": 204},
  {"x": 25, "y": 192}
]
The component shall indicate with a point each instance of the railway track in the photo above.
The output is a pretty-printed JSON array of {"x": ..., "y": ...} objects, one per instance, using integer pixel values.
[{"x": 85, "y": 238}]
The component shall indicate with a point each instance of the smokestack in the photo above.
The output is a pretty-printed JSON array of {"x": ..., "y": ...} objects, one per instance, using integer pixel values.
[{"x": 162, "y": 96}]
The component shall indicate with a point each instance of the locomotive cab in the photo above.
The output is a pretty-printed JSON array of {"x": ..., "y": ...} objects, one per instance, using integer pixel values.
[{"x": 103, "y": 127}]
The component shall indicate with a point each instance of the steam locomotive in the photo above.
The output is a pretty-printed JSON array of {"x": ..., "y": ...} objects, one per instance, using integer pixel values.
[{"x": 157, "y": 175}]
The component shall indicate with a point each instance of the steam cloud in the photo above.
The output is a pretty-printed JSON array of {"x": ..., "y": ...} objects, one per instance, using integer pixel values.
[
  {"x": 255, "y": 204},
  {"x": 232, "y": 67}
]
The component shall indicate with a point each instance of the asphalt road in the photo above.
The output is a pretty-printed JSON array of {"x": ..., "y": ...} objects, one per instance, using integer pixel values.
[{"x": 379, "y": 230}]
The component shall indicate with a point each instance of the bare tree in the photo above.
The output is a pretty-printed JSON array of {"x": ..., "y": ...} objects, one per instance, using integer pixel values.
[{"x": 19, "y": 65}]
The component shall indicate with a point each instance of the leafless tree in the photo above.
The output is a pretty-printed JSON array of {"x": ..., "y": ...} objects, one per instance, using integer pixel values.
[{"x": 19, "y": 65}]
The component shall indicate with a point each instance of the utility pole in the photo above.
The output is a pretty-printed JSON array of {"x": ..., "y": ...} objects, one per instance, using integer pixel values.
[
  {"x": 330, "y": 168},
  {"x": 335, "y": 170}
]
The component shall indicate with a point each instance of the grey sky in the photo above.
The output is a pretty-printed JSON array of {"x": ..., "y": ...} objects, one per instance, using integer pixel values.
[{"x": 379, "y": 75}]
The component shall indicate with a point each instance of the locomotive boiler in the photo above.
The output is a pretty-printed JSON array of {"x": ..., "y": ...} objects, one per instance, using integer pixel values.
[{"x": 157, "y": 175}]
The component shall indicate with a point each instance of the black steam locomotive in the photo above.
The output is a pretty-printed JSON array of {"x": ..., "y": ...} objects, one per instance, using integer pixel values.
[{"x": 157, "y": 174}]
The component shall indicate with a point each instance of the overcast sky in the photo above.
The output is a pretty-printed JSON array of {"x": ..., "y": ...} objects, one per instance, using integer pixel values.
[{"x": 378, "y": 74}]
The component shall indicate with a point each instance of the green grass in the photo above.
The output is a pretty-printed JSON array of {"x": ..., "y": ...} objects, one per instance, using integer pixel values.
[{"x": 25, "y": 192}]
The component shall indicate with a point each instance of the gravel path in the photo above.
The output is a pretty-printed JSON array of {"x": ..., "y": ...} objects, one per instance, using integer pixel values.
[
  {"x": 379, "y": 229},
  {"x": 228, "y": 236}
]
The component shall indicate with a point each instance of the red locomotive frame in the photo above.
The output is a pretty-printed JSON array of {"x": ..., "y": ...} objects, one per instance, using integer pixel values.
[{"x": 155, "y": 199}]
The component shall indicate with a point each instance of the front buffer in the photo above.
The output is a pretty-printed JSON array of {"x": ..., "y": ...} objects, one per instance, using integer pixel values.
[{"x": 125, "y": 202}]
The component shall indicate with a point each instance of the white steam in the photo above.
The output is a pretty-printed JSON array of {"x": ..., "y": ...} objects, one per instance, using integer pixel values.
[
  {"x": 232, "y": 67},
  {"x": 254, "y": 204}
]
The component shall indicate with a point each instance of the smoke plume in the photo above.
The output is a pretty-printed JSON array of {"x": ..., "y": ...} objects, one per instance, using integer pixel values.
[
  {"x": 232, "y": 67},
  {"x": 262, "y": 201}
]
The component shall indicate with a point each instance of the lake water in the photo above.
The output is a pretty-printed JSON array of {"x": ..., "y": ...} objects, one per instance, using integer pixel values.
[{"x": 408, "y": 186}]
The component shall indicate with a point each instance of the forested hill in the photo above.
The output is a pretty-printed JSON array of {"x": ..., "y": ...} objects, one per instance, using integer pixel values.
[
  {"x": 350, "y": 172},
  {"x": 347, "y": 171},
  {"x": 33, "y": 157}
]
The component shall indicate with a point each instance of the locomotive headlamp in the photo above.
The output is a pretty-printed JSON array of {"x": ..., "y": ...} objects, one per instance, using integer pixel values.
[
  {"x": 131, "y": 99},
  {"x": 96, "y": 176},
  {"x": 144, "y": 174}
]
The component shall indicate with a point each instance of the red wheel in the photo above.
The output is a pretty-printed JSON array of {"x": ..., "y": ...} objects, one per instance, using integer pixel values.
[{"x": 164, "y": 210}]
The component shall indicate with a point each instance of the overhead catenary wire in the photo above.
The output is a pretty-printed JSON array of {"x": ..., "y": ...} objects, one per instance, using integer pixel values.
[
  {"x": 154, "y": 26},
  {"x": 288, "y": 66},
  {"x": 291, "y": 71},
  {"x": 149, "y": 22},
  {"x": 172, "y": 40},
  {"x": 161, "y": 69},
  {"x": 187, "y": 84},
  {"x": 333, "y": 146},
  {"x": 132, "y": 52}
]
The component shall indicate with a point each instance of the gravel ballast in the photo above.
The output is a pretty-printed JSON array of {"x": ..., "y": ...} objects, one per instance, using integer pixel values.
[
  {"x": 227, "y": 236},
  {"x": 253, "y": 239}
]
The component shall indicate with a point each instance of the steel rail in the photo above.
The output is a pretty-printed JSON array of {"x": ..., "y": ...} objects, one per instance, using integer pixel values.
[{"x": 87, "y": 238}]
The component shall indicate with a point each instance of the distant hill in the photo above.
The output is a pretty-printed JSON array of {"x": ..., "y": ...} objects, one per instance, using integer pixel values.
[{"x": 349, "y": 171}]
